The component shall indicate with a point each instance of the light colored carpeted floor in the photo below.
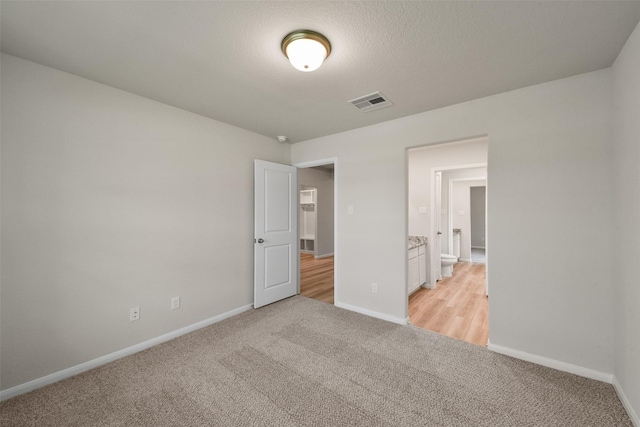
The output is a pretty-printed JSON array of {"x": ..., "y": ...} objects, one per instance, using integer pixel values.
[{"x": 301, "y": 362}]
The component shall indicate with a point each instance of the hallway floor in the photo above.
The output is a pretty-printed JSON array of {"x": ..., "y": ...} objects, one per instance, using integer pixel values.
[
  {"x": 316, "y": 277},
  {"x": 458, "y": 307},
  {"x": 478, "y": 255}
]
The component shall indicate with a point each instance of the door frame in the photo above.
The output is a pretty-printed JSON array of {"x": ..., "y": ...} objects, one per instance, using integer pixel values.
[
  {"x": 450, "y": 217},
  {"x": 435, "y": 257},
  {"x": 435, "y": 272},
  {"x": 322, "y": 162}
]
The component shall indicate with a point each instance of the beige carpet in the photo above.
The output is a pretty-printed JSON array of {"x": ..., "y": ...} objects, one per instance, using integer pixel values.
[{"x": 300, "y": 362}]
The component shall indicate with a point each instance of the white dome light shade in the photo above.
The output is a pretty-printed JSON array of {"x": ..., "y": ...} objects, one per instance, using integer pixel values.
[
  {"x": 306, "y": 49},
  {"x": 306, "y": 54}
]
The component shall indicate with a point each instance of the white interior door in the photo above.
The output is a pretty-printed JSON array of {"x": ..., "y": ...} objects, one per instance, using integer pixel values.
[
  {"x": 437, "y": 233},
  {"x": 276, "y": 232}
]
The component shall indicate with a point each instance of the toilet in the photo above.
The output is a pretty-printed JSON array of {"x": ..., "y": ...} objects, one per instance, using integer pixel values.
[{"x": 446, "y": 264}]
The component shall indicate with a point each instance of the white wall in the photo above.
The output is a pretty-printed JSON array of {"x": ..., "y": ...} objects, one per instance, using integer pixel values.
[
  {"x": 478, "y": 216},
  {"x": 421, "y": 163},
  {"x": 548, "y": 166},
  {"x": 461, "y": 214},
  {"x": 626, "y": 202},
  {"x": 322, "y": 180},
  {"x": 111, "y": 201}
]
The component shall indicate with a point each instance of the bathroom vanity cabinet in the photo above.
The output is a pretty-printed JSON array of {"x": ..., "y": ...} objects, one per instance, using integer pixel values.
[
  {"x": 417, "y": 274},
  {"x": 422, "y": 264}
]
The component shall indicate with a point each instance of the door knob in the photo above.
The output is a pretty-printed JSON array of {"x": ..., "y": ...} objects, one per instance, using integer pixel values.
[
  {"x": 260, "y": 240},
  {"x": 439, "y": 232}
]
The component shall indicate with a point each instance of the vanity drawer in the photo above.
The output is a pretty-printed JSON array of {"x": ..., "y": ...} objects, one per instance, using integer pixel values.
[{"x": 413, "y": 253}]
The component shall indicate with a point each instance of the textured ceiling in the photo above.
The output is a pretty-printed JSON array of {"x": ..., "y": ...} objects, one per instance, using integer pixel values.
[{"x": 223, "y": 60}]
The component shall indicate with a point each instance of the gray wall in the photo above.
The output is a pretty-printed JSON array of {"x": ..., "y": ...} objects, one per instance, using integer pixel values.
[
  {"x": 478, "y": 216},
  {"x": 111, "y": 201},
  {"x": 547, "y": 166},
  {"x": 322, "y": 180},
  {"x": 626, "y": 202}
]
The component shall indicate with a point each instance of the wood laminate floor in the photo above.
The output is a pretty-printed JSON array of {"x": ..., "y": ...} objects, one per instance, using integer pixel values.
[
  {"x": 458, "y": 307},
  {"x": 316, "y": 278}
]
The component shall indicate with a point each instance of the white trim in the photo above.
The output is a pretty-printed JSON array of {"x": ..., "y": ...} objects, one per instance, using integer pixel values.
[
  {"x": 477, "y": 247},
  {"x": 103, "y": 360},
  {"x": 435, "y": 263},
  {"x": 405, "y": 220},
  {"x": 323, "y": 256},
  {"x": 371, "y": 313},
  {"x": 635, "y": 419},
  {"x": 552, "y": 363},
  {"x": 465, "y": 260},
  {"x": 480, "y": 178},
  {"x": 313, "y": 163}
]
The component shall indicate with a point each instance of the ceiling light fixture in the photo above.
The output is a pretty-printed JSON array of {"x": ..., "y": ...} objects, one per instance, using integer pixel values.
[{"x": 306, "y": 49}]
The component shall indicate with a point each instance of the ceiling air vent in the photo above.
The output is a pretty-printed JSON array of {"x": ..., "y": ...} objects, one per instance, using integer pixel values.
[{"x": 373, "y": 101}]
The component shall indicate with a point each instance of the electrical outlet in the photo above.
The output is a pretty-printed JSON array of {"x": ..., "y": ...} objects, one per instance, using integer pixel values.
[
  {"x": 134, "y": 314},
  {"x": 175, "y": 303},
  {"x": 374, "y": 288},
  {"x": 350, "y": 210}
]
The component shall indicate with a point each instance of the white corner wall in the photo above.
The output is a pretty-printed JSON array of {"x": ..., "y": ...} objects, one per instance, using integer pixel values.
[
  {"x": 112, "y": 201},
  {"x": 626, "y": 202},
  {"x": 549, "y": 175}
]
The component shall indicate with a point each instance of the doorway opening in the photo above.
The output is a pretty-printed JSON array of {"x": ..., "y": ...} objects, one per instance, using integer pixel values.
[
  {"x": 445, "y": 184},
  {"x": 317, "y": 232}
]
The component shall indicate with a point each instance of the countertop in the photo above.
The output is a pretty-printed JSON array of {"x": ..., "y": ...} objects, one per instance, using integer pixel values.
[{"x": 415, "y": 241}]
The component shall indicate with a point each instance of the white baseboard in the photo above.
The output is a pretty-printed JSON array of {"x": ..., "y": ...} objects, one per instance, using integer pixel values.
[
  {"x": 398, "y": 320},
  {"x": 635, "y": 419},
  {"x": 477, "y": 247},
  {"x": 323, "y": 256},
  {"x": 552, "y": 363},
  {"x": 75, "y": 370},
  {"x": 465, "y": 260}
]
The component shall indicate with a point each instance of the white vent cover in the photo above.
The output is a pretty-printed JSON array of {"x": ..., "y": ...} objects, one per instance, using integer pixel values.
[{"x": 373, "y": 101}]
